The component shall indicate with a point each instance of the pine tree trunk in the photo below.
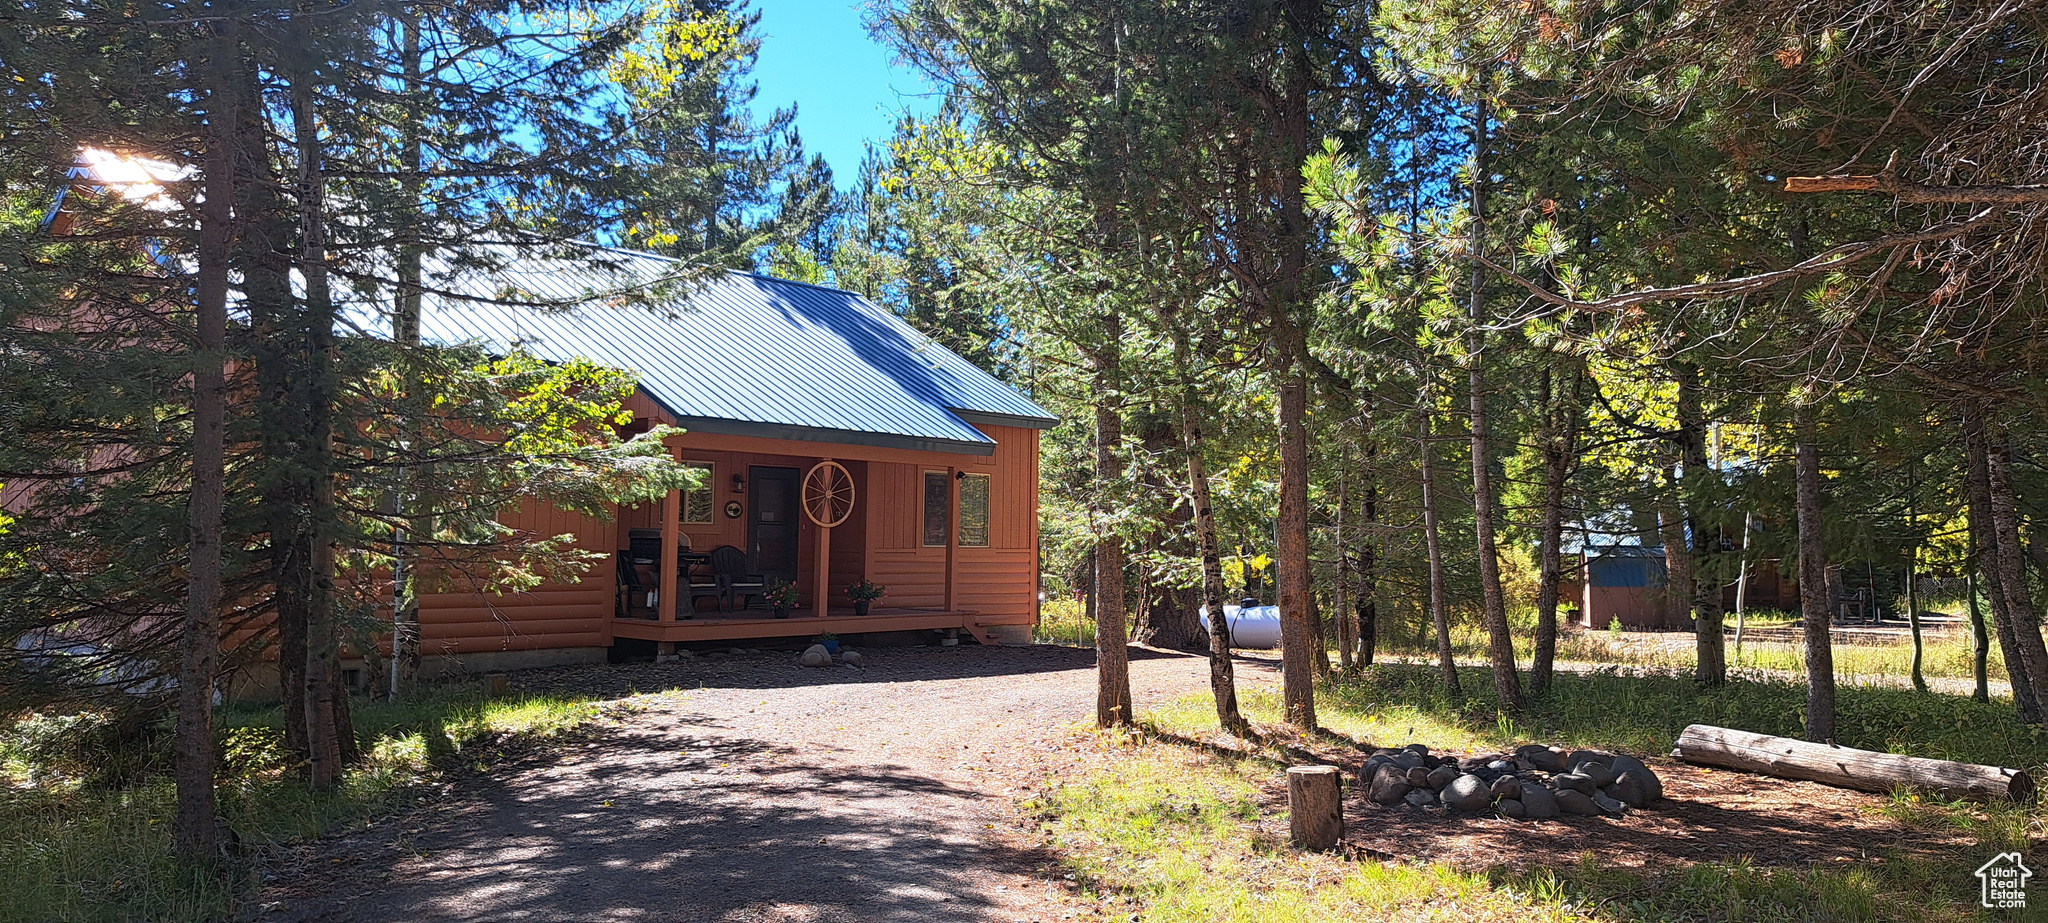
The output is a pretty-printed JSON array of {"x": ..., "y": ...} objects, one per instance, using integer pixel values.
[
  {"x": 1439, "y": 609},
  {"x": 1222, "y": 674},
  {"x": 1913, "y": 615},
  {"x": 328, "y": 745},
  {"x": 1291, "y": 315},
  {"x": 1112, "y": 655},
  {"x": 1678, "y": 579},
  {"x": 1561, "y": 415},
  {"x": 405, "y": 331},
  {"x": 1172, "y": 615},
  {"x": 195, "y": 835},
  {"x": 1299, "y": 640},
  {"x": 1813, "y": 565},
  {"x": 1368, "y": 564},
  {"x": 1710, "y": 665},
  {"x": 1985, "y": 538},
  {"x": 1500, "y": 641},
  {"x": 1346, "y": 641}
]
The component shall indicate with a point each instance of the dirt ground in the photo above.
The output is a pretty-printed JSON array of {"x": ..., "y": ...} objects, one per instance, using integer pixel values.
[{"x": 762, "y": 791}]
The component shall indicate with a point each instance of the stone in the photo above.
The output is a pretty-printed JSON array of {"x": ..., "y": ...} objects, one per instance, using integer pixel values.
[
  {"x": 1652, "y": 787},
  {"x": 1506, "y": 787},
  {"x": 1467, "y": 793},
  {"x": 1576, "y": 782},
  {"x": 1419, "y": 777},
  {"x": 1576, "y": 802},
  {"x": 1441, "y": 776},
  {"x": 1623, "y": 764},
  {"x": 850, "y": 658},
  {"x": 685, "y": 653},
  {"x": 1509, "y": 807},
  {"x": 1421, "y": 798},
  {"x": 1602, "y": 774},
  {"x": 738, "y": 652},
  {"x": 1390, "y": 785},
  {"x": 1627, "y": 789},
  {"x": 1538, "y": 803},
  {"x": 815, "y": 656},
  {"x": 1417, "y": 749},
  {"x": 1576, "y": 757},
  {"x": 1545, "y": 759},
  {"x": 753, "y": 650},
  {"x": 1409, "y": 761},
  {"x": 1470, "y": 763},
  {"x": 1501, "y": 766},
  {"x": 1608, "y": 805}
]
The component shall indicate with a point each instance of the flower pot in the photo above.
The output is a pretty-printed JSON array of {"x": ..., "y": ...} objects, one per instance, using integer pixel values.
[
  {"x": 782, "y": 612},
  {"x": 832, "y": 646},
  {"x": 860, "y": 606}
]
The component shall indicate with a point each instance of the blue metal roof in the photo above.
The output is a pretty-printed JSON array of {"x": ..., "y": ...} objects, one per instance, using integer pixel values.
[{"x": 737, "y": 353}]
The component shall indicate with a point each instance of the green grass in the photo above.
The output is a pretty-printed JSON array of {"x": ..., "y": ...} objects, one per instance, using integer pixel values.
[
  {"x": 71, "y": 851},
  {"x": 1064, "y": 621},
  {"x": 1172, "y": 830}
]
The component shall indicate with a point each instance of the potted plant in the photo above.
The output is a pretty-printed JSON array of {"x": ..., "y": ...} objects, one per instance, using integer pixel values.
[
  {"x": 830, "y": 641},
  {"x": 780, "y": 596},
  {"x": 865, "y": 593}
]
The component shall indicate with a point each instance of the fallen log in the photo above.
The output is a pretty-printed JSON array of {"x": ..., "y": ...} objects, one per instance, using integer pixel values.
[{"x": 1845, "y": 767}]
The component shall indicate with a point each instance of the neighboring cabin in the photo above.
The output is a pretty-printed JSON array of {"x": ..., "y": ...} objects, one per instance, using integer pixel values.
[{"x": 770, "y": 379}]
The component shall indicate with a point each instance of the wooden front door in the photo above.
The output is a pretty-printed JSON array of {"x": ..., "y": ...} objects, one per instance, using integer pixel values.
[{"x": 773, "y": 499}]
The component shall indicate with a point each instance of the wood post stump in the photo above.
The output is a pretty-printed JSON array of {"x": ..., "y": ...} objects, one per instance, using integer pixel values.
[
  {"x": 1315, "y": 806},
  {"x": 497, "y": 684}
]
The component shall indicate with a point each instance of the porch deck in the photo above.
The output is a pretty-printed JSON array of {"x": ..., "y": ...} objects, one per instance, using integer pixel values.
[{"x": 759, "y": 623}]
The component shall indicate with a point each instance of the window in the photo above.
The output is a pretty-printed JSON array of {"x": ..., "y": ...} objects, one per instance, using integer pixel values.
[
  {"x": 974, "y": 510},
  {"x": 938, "y": 507},
  {"x": 697, "y": 501}
]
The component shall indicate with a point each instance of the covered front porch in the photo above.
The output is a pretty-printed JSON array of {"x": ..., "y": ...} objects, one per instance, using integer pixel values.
[{"x": 816, "y": 519}]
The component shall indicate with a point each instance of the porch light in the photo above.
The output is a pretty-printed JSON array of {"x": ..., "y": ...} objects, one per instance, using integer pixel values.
[{"x": 739, "y": 483}]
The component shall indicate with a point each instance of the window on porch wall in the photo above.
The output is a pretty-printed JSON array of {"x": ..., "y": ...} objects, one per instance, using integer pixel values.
[
  {"x": 938, "y": 508},
  {"x": 697, "y": 503},
  {"x": 974, "y": 510}
]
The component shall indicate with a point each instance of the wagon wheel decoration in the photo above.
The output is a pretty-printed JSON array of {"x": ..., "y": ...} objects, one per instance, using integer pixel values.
[{"x": 828, "y": 494}]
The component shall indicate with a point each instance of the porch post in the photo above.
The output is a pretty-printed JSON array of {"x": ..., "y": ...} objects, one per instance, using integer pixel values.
[
  {"x": 671, "y": 544},
  {"x": 821, "y": 580}
]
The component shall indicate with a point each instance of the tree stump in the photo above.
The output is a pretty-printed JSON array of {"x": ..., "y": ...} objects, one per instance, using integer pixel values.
[
  {"x": 496, "y": 685},
  {"x": 1315, "y": 806}
]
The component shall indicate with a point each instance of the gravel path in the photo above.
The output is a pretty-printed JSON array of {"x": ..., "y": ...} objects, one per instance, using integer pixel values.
[{"x": 760, "y": 791}]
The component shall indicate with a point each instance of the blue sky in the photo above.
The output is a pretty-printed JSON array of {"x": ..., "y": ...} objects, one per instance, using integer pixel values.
[{"x": 818, "y": 55}]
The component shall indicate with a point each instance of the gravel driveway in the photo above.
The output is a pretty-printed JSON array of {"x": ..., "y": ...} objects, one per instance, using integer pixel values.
[{"x": 761, "y": 791}]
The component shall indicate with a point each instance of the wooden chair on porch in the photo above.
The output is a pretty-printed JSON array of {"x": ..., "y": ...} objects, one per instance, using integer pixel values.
[
  {"x": 729, "y": 565},
  {"x": 635, "y": 596}
]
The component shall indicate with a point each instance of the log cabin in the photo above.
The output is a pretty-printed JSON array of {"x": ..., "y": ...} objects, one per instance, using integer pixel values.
[{"x": 836, "y": 445}]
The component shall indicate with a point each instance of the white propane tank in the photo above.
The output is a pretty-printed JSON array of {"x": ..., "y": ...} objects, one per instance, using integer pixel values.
[{"x": 1251, "y": 626}]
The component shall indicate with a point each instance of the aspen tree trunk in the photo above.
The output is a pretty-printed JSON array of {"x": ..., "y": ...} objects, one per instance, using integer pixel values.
[
  {"x": 1980, "y": 640},
  {"x": 1222, "y": 677},
  {"x": 194, "y": 834},
  {"x": 1112, "y": 655},
  {"x": 1439, "y": 611},
  {"x": 1813, "y": 594},
  {"x": 2012, "y": 566},
  {"x": 1985, "y": 538},
  {"x": 1500, "y": 642}
]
